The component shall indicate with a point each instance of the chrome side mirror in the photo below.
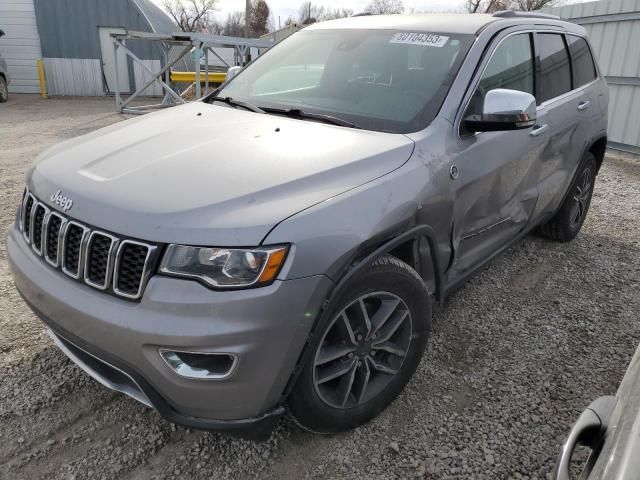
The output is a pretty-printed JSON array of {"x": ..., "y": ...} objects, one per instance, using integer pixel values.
[
  {"x": 232, "y": 72},
  {"x": 504, "y": 109}
]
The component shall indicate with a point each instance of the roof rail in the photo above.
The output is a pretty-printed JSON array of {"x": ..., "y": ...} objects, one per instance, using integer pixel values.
[{"x": 512, "y": 14}]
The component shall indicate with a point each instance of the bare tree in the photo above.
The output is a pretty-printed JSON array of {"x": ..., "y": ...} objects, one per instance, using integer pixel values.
[
  {"x": 191, "y": 15},
  {"x": 332, "y": 14},
  {"x": 491, "y": 6},
  {"x": 380, "y": 7},
  {"x": 473, "y": 6},
  {"x": 259, "y": 17},
  {"x": 529, "y": 5},
  {"x": 310, "y": 13},
  {"x": 215, "y": 27},
  {"x": 234, "y": 25}
]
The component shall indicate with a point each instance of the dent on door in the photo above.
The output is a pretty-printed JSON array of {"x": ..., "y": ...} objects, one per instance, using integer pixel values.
[{"x": 495, "y": 194}]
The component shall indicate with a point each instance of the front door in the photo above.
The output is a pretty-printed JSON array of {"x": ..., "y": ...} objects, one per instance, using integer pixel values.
[
  {"x": 496, "y": 173},
  {"x": 109, "y": 62}
]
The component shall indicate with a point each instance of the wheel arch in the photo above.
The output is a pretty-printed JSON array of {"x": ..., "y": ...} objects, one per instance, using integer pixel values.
[
  {"x": 598, "y": 148},
  {"x": 417, "y": 245}
]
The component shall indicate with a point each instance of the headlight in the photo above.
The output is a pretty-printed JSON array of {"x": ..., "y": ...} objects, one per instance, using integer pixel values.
[{"x": 224, "y": 267}]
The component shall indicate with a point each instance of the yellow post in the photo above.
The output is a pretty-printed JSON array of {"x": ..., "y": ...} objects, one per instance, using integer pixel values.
[{"x": 43, "y": 81}]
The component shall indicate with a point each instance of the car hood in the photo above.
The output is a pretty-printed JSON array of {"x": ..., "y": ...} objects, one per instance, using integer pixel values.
[{"x": 209, "y": 174}]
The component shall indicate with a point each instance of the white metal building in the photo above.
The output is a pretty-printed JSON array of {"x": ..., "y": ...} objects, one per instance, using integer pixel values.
[
  {"x": 613, "y": 27},
  {"x": 73, "y": 39},
  {"x": 21, "y": 45}
]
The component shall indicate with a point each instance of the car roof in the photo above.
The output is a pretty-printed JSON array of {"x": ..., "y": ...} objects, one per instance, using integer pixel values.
[{"x": 462, "y": 23}]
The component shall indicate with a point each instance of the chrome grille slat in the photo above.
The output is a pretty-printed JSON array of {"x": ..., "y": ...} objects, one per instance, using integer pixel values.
[
  {"x": 29, "y": 202},
  {"x": 54, "y": 229},
  {"x": 39, "y": 214},
  {"x": 94, "y": 257},
  {"x": 124, "y": 278},
  {"x": 73, "y": 249},
  {"x": 98, "y": 267},
  {"x": 25, "y": 194}
]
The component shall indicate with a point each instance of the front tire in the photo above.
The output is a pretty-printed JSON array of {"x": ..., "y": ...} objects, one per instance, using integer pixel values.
[
  {"x": 566, "y": 224},
  {"x": 366, "y": 352}
]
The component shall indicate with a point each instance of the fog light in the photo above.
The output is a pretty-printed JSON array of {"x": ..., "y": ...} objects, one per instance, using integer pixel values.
[{"x": 200, "y": 365}]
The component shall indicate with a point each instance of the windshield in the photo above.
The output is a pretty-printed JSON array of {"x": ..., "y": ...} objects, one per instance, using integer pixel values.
[{"x": 376, "y": 79}]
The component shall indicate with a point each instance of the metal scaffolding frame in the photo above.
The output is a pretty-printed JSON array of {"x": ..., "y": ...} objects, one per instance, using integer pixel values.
[{"x": 184, "y": 43}]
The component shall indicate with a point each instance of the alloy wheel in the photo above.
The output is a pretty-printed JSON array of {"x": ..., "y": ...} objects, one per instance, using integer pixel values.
[
  {"x": 362, "y": 350},
  {"x": 581, "y": 196}
]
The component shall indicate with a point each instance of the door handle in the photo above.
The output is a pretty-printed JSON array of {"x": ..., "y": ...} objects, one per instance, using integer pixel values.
[
  {"x": 539, "y": 130},
  {"x": 588, "y": 430},
  {"x": 583, "y": 105}
]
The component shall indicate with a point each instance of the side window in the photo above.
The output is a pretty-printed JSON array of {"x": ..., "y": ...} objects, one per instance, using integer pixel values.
[
  {"x": 555, "y": 69},
  {"x": 511, "y": 66},
  {"x": 584, "y": 68}
]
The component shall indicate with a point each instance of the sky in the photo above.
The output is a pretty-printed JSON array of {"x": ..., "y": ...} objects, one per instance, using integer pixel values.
[{"x": 286, "y": 8}]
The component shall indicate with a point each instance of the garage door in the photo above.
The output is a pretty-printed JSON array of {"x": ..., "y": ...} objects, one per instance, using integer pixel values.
[{"x": 21, "y": 45}]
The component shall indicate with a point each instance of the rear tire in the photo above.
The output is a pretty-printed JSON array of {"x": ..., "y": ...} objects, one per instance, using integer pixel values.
[
  {"x": 566, "y": 224},
  {"x": 4, "y": 91},
  {"x": 366, "y": 351}
]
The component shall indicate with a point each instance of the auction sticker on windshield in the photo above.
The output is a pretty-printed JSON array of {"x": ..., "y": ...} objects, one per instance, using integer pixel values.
[{"x": 414, "y": 38}]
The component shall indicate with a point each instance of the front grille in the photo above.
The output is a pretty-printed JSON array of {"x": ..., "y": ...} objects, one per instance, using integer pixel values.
[{"x": 99, "y": 259}]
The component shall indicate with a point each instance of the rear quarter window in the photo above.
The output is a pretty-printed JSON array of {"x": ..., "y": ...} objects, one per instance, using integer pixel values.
[{"x": 584, "y": 68}]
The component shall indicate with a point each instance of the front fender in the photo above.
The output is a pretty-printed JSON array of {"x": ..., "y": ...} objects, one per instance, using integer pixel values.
[{"x": 334, "y": 235}]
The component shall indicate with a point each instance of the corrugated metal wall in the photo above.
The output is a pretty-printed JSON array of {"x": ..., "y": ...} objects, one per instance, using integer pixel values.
[
  {"x": 69, "y": 33},
  {"x": 613, "y": 27},
  {"x": 73, "y": 76},
  {"x": 21, "y": 45}
]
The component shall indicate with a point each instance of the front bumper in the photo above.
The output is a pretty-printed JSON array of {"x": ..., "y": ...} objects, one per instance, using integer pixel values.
[{"x": 265, "y": 327}]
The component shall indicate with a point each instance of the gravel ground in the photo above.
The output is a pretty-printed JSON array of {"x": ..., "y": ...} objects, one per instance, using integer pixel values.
[{"x": 514, "y": 357}]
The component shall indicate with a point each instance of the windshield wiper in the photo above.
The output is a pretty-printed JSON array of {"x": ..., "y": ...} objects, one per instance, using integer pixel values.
[
  {"x": 297, "y": 113},
  {"x": 237, "y": 103}
]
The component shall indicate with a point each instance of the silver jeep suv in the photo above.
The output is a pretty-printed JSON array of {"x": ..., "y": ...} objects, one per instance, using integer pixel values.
[{"x": 281, "y": 243}]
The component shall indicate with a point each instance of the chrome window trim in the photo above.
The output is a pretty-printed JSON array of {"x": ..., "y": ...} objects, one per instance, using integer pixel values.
[
  {"x": 112, "y": 248},
  {"x": 75, "y": 275},
  {"x": 47, "y": 211},
  {"x": 475, "y": 81},
  {"x": 45, "y": 247},
  {"x": 151, "y": 249},
  {"x": 24, "y": 216}
]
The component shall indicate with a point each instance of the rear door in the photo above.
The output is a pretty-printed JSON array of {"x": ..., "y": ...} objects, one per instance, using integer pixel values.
[
  {"x": 495, "y": 182},
  {"x": 567, "y": 119}
]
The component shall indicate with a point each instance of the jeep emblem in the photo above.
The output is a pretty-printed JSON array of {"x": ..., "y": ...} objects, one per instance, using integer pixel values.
[{"x": 63, "y": 202}]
